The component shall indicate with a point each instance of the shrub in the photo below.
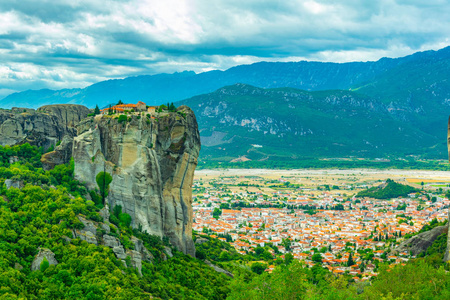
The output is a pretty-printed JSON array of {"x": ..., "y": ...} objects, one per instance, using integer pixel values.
[
  {"x": 122, "y": 118},
  {"x": 258, "y": 268},
  {"x": 44, "y": 264}
]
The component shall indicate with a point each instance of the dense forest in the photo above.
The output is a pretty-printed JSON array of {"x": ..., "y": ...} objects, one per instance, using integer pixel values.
[{"x": 42, "y": 212}]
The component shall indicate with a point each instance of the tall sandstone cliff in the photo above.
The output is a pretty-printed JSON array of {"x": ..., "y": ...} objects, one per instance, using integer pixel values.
[{"x": 152, "y": 162}]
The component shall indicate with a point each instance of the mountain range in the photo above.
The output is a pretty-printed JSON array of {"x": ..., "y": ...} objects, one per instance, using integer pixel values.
[
  {"x": 295, "y": 109},
  {"x": 161, "y": 88}
]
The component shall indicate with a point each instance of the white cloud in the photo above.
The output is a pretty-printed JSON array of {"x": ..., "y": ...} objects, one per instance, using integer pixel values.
[{"x": 76, "y": 43}]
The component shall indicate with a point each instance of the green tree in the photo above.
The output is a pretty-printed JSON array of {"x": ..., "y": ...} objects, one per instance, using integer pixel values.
[
  {"x": 51, "y": 148},
  {"x": 225, "y": 256},
  {"x": 103, "y": 180},
  {"x": 258, "y": 268},
  {"x": 362, "y": 267},
  {"x": 287, "y": 244},
  {"x": 350, "y": 261},
  {"x": 122, "y": 118},
  {"x": 288, "y": 258},
  {"x": 96, "y": 110},
  {"x": 216, "y": 213},
  {"x": 317, "y": 257}
]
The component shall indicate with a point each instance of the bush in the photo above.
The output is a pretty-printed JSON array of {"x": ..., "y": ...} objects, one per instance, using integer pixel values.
[
  {"x": 122, "y": 118},
  {"x": 119, "y": 218},
  {"x": 44, "y": 264},
  {"x": 258, "y": 268}
]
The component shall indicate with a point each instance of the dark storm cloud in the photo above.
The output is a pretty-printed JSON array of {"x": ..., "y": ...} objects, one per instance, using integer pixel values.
[{"x": 71, "y": 43}]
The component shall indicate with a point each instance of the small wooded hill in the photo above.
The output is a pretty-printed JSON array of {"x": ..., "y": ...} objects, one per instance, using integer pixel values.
[{"x": 388, "y": 190}]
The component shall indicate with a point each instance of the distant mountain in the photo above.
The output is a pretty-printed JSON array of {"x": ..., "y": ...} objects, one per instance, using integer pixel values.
[
  {"x": 163, "y": 88},
  {"x": 417, "y": 91},
  {"x": 244, "y": 122}
]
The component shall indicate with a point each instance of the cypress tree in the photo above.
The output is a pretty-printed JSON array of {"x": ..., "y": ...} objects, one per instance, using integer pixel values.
[
  {"x": 96, "y": 110},
  {"x": 350, "y": 261}
]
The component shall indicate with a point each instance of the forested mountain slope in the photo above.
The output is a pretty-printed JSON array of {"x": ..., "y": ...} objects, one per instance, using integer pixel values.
[{"x": 286, "y": 123}]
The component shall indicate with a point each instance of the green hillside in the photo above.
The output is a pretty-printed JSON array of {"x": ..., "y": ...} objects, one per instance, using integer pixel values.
[
  {"x": 44, "y": 213},
  {"x": 286, "y": 124}
]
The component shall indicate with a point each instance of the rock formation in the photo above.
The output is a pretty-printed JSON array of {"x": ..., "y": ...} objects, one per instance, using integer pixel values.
[
  {"x": 43, "y": 252},
  {"x": 99, "y": 233},
  {"x": 420, "y": 243},
  {"x": 152, "y": 161},
  {"x": 219, "y": 269},
  {"x": 18, "y": 184},
  {"x": 60, "y": 155},
  {"x": 42, "y": 128},
  {"x": 67, "y": 114}
]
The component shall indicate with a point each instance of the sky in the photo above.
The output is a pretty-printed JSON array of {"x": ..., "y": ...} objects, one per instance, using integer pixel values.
[{"x": 73, "y": 43}]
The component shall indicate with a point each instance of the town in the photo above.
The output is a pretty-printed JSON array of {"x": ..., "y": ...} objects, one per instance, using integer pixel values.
[{"x": 315, "y": 215}]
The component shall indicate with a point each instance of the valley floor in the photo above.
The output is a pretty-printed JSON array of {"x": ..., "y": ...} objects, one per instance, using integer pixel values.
[
  {"x": 315, "y": 212},
  {"x": 393, "y": 173}
]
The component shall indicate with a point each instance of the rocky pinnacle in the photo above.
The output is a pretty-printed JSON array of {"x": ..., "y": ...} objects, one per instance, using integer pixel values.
[{"x": 151, "y": 158}]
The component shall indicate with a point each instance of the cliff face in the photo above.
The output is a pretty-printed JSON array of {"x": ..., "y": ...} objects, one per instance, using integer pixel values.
[
  {"x": 41, "y": 128},
  {"x": 152, "y": 163},
  {"x": 67, "y": 114}
]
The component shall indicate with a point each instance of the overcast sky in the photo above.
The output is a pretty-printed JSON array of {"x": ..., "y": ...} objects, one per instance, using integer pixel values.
[{"x": 74, "y": 43}]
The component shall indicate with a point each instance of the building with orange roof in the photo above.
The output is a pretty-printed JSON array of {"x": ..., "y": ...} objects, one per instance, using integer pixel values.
[{"x": 140, "y": 106}]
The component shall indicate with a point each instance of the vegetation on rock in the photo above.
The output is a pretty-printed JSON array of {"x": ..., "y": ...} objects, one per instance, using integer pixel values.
[{"x": 103, "y": 180}]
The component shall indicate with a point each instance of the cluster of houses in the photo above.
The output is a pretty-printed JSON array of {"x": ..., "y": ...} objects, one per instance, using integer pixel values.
[{"x": 360, "y": 225}]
